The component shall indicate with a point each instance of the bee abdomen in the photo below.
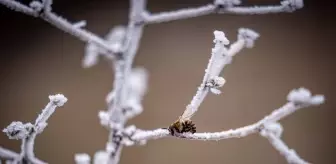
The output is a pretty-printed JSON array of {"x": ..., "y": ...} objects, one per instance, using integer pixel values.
[
  {"x": 182, "y": 127},
  {"x": 188, "y": 126}
]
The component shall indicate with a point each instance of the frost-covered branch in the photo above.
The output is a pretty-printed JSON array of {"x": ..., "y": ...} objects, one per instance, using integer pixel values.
[
  {"x": 272, "y": 131},
  {"x": 278, "y": 114},
  {"x": 129, "y": 86},
  {"x": 221, "y": 7},
  {"x": 28, "y": 132},
  {"x": 119, "y": 47},
  {"x": 123, "y": 70},
  {"x": 43, "y": 10},
  {"x": 220, "y": 57},
  {"x": 268, "y": 127},
  {"x": 8, "y": 154}
]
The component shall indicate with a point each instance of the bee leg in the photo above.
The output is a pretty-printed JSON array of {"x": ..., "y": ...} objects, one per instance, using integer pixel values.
[{"x": 171, "y": 130}]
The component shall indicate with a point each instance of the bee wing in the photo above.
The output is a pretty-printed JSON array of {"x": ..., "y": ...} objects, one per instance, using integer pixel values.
[{"x": 188, "y": 113}]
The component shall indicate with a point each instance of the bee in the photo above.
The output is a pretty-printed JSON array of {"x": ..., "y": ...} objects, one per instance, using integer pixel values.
[{"x": 183, "y": 124}]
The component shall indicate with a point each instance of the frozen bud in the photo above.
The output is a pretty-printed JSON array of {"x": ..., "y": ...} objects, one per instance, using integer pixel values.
[
  {"x": 304, "y": 96},
  {"x": 58, "y": 99},
  {"x": 248, "y": 35},
  {"x": 100, "y": 157},
  {"x": 219, "y": 81},
  {"x": 226, "y": 3},
  {"x": 104, "y": 118},
  {"x": 216, "y": 82},
  {"x": 301, "y": 95},
  {"x": 220, "y": 38},
  {"x": 36, "y": 5},
  {"x": 17, "y": 130},
  {"x": 292, "y": 5},
  {"x": 298, "y": 4},
  {"x": 82, "y": 158}
]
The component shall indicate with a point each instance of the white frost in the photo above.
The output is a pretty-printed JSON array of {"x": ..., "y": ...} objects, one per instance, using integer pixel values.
[
  {"x": 82, "y": 158},
  {"x": 58, "y": 99},
  {"x": 100, "y": 157},
  {"x": 304, "y": 96},
  {"x": 220, "y": 37},
  {"x": 17, "y": 130}
]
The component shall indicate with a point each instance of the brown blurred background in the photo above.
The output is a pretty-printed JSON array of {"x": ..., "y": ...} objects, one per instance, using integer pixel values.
[{"x": 294, "y": 50}]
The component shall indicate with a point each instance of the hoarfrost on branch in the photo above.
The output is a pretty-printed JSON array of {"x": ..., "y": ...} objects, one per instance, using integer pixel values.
[{"x": 130, "y": 84}]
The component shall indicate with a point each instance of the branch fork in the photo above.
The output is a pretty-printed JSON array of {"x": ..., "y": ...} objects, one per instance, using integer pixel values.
[{"x": 27, "y": 132}]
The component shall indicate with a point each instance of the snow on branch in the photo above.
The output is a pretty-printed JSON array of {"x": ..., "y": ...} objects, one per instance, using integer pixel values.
[
  {"x": 221, "y": 7},
  {"x": 43, "y": 10},
  {"x": 267, "y": 127},
  {"x": 275, "y": 116},
  {"x": 124, "y": 102},
  {"x": 8, "y": 154},
  {"x": 220, "y": 56},
  {"x": 27, "y": 132},
  {"x": 272, "y": 131}
]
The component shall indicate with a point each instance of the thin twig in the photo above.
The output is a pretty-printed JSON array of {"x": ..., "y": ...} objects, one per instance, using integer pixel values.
[
  {"x": 8, "y": 154},
  {"x": 28, "y": 132},
  {"x": 60, "y": 23},
  {"x": 276, "y": 115},
  {"x": 123, "y": 68},
  {"x": 285, "y": 6},
  {"x": 122, "y": 106},
  {"x": 284, "y": 150}
]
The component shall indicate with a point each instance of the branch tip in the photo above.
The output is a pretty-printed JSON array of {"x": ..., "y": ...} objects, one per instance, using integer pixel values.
[
  {"x": 17, "y": 130},
  {"x": 220, "y": 37},
  {"x": 303, "y": 96},
  {"x": 82, "y": 158},
  {"x": 226, "y": 3},
  {"x": 248, "y": 35},
  {"x": 292, "y": 5},
  {"x": 36, "y": 6},
  {"x": 58, "y": 99}
]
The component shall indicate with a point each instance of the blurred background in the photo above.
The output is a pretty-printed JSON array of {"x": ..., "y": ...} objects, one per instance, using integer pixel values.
[{"x": 294, "y": 50}]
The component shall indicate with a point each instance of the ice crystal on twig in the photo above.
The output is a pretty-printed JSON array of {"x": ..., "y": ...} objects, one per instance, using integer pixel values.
[
  {"x": 82, "y": 158},
  {"x": 17, "y": 130},
  {"x": 130, "y": 84},
  {"x": 28, "y": 132}
]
